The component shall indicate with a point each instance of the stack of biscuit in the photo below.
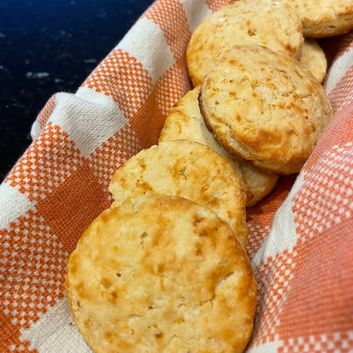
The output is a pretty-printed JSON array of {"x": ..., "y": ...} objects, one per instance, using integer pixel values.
[
  {"x": 251, "y": 62},
  {"x": 166, "y": 267}
]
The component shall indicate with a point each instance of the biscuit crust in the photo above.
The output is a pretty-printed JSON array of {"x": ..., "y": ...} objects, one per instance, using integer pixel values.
[
  {"x": 260, "y": 183},
  {"x": 161, "y": 274},
  {"x": 264, "y": 106},
  {"x": 187, "y": 169},
  {"x": 273, "y": 24},
  {"x": 186, "y": 122},
  {"x": 313, "y": 57},
  {"x": 324, "y": 18}
]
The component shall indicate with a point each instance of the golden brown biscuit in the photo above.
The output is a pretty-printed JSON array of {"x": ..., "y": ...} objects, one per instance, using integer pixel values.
[
  {"x": 186, "y": 169},
  {"x": 313, "y": 57},
  {"x": 265, "y": 107},
  {"x": 185, "y": 122},
  {"x": 324, "y": 18},
  {"x": 270, "y": 23},
  {"x": 161, "y": 274}
]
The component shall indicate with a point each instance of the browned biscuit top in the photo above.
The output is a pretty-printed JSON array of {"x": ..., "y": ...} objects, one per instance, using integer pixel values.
[
  {"x": 273, "y": 24},
  {"x": 265, "y": 107},
  {"x": 161, "y": 274}
]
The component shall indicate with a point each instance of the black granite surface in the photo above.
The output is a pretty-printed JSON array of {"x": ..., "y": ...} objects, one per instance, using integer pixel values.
[{"x": 51, "y": 46}]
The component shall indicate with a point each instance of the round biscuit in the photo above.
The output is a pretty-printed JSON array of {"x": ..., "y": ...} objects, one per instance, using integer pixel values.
[
  {"x": 161, "y": 274},
  {"x": 273, "y": 24},
  {"x": 313, "y": 57},
  {"x": 264, "y": 106},
  {"x": 185, "y": 121},
  {"x": 324, "y": 18},
  {"x": 187, "y": 169}
]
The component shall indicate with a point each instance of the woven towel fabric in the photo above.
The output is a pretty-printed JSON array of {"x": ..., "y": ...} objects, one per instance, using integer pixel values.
[{"x": 302, "y": 263}]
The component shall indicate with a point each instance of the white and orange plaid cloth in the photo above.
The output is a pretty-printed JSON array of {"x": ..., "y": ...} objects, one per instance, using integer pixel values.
[{"x": 303, "y": 262}]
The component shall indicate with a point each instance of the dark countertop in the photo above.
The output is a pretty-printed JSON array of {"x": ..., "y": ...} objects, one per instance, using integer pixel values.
[{"x": 51, "y": 46}]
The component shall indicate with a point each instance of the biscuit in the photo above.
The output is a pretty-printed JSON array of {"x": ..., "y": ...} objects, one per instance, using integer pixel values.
[
  {"x": 185, "y": 122},
  {"x": 313, "y": 57},
  {"x": 260, "y": 183},
  {"x": 186, "y": 169},
  {"x": 161, "y": 274},
  {"x": 324, "y": 18},
  {"x": 273, "y": 24},
  {"x": 265, "y": 107}
]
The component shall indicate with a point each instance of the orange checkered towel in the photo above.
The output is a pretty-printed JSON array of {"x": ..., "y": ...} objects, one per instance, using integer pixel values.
[{"x": 301, "y": 237}]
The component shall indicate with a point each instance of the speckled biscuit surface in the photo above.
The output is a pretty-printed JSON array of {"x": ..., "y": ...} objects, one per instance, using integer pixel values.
[
  {"x": 265, "y": 107},
  {"x": 185, "y": 122},
  {"x": 324, "y": 18},
  {"x": 186, "y": 169},
  {"x": 161, "y": 274},
  {"x": 313, "y": 57},
  {"x": 273, "y": 24}
]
